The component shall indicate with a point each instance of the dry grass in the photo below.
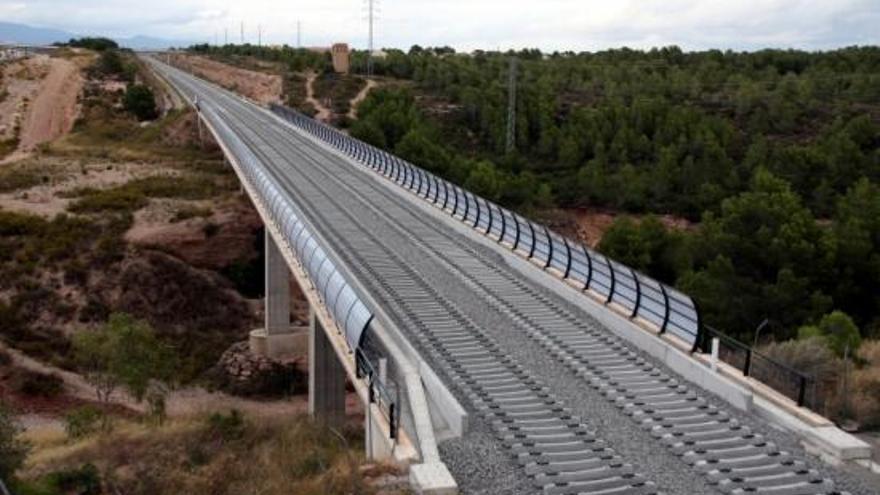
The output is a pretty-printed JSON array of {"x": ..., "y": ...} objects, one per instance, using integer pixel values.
[
  {"x": 865, "y": 401},
  {"x": 215, "y": 456},
  {"x": 861, "y": 403}
]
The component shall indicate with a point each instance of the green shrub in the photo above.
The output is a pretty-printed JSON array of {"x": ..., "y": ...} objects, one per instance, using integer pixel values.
[
  {"x": 211, "y": 229},
  {"x": 13, "y": 450},
  {"x": 109, "y": 63},
  {"x": 16, "y": 178},
  {"x": 838, "y": 330},
  {"x": 82, "y": 422},
  {"x": 117, "y": 199},
  {"x": 226, "y": 426},
  {"x": 187, "y": 212},
  {"x": 36, "y": 384},
  {"x": 140, "y": 102},
  {"x": 83, "y": 481},
  {"x": 97, "y": 44}
]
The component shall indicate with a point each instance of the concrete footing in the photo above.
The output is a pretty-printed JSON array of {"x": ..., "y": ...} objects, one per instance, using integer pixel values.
[
  {"x": 433, "y": 479},
  {"x": 292, "y": 343}
]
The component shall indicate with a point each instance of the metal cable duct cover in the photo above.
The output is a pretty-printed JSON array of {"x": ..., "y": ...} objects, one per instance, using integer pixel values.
[
  {"x": 339, "y": 297},
  {"x": 639, "y": 295}
]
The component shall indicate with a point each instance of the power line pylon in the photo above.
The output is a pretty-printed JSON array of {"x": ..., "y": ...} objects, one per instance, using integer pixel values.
[
  {"x": 511, "y": 106},
  {"x": 371, "y": 7}
]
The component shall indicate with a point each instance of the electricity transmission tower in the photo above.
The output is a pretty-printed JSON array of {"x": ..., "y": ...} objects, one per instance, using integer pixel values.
[
  {"x": 371, "y": 17},
  {"x": 511, "y": 106}
]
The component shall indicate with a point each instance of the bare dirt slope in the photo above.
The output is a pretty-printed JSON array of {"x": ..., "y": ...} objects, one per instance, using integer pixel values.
[
  {"x": 590, "y": 224},
  {"x": 21, "y": 82},
  {"x": 259, "y": 86},
  {"x": 54, "y": 110}
]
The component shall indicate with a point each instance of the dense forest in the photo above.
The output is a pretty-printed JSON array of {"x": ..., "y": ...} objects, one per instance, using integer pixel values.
[{"x": 775, "y": 155}]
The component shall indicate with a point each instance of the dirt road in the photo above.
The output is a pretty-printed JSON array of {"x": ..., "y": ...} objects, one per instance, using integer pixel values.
[
  {"x": 361, "y": 96},
  {"x": 324, "y": 113},
  {"x": 54, "y": 110}
]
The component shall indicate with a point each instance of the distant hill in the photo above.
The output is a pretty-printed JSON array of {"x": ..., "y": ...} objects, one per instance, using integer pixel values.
[
  {"x": 29, "y": 35},
  {"x": 20, "y": 33}
]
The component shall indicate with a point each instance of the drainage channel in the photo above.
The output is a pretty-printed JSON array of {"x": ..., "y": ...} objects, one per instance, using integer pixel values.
[{"x": 554, "y": 447}]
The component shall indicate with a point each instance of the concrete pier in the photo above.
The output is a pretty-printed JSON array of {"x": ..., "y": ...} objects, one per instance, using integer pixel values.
[
  {"x": 326, "y": 377},
  {"x": 276, "y": 338}
]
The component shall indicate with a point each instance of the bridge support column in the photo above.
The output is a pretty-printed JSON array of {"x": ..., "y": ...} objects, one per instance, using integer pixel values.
[
  {"x": 276, "y": 338},
  {"x": 326, "y": 377}
]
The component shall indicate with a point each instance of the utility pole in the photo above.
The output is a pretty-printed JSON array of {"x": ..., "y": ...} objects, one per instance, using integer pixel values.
[
  {"x": 225, "y": 36},
  {"x": 511, "y": 106},
  {"x": 298, "y": 34},
  {"x": 259, "y": 35},
  {"x": 370, "y": 52},
  {"x": 242, "y": 32}
]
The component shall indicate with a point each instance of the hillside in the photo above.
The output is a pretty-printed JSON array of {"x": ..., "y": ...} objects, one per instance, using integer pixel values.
[{"x": 112, "y": 206}]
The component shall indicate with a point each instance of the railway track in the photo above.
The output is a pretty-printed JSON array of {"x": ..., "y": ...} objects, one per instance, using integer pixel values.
[{"x": 555, "y": 448}]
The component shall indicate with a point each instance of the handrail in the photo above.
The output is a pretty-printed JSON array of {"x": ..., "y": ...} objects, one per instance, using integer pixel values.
[
  {"x": 378, "y": 392},
  {"x": 748, "y": 362}
]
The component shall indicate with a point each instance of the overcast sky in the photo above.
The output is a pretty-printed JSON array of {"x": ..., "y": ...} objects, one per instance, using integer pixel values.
[{"x": 468, "y": 24}]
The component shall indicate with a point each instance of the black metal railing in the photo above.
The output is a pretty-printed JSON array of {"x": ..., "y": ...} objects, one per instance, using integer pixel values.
[
  {"x": 378, "y": 392},
  {"x": 794, "y": 384}
]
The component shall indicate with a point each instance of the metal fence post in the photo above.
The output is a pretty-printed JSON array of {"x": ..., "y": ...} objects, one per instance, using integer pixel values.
[
  {"x": 491, "y": 218},
  {"x": 568, "y": 253},
  {"x": 665, "y": 308},
  {"x": 589, "y": 267},
  {"x": 516, "y": 241},
  {"x": 747, "y": 366},
  {"x": 802, "y": 393},
  {"x": 638, "y": 303},
  {"x": 613, "y": 280},
  {"x": 549, "y": 247},
  {"x": 534, "y": 241},
  {"x": 479, "y": 210}
]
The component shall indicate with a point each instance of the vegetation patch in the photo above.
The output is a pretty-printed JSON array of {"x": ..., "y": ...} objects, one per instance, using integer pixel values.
[
  {"x": 339, "y": 89},
  {"x": 203, "y": 456},
  {"x": 136, "y": 194},
  {"x": 17, "y": 177},
  {"x": 187, "y": 212}
]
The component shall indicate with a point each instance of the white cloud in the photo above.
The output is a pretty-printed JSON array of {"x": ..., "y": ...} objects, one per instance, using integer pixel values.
[{"x": 468, "y": 24}]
